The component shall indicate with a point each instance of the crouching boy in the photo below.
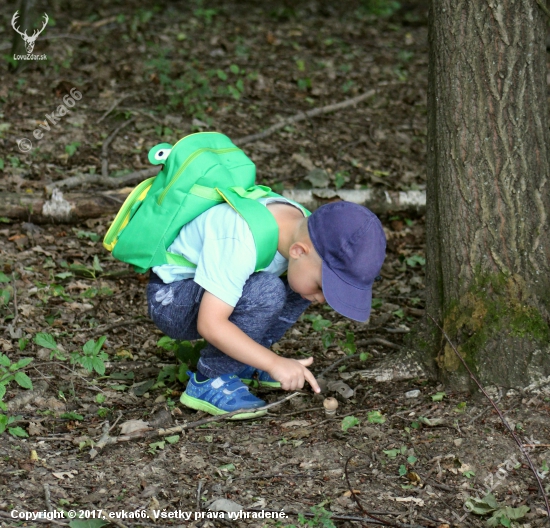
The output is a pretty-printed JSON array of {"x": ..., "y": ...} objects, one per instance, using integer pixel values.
[{"x": 334, "y": 255}]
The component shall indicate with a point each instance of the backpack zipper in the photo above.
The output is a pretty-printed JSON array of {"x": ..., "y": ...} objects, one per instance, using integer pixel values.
[
  {"x": 122, "y": 217},
  {"x": 187, "y": 162}
]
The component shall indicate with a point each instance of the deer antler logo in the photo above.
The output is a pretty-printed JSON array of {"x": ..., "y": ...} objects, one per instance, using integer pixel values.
[{"x": 29, "y": 41}]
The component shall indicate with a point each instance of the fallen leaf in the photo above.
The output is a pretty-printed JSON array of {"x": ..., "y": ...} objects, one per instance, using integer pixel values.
[
  {"x": 296, "y": 423},
  {"x": 225, "y": 505},
  {"x": 62, "y": 474},
  {"x": 415, "y": 500},
  {"x": 304, "y": 161},
  {"x": 348, "y": 493},
  {"x": 35, "y": 429},
  {"x": 131, "y": 426}
]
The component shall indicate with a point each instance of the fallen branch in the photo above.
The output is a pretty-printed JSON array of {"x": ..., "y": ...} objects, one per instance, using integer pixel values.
[
  {"x": 78, "y": 206},
  {"x": 150, "y": 432},
  {"x": 109, "y": 182},
  {"x": 301, "y": 116},
  {"x": 510, "y": 430}
]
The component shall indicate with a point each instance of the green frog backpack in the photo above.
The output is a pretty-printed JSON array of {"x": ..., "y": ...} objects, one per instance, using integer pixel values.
[{"x": 200, "y": 171}]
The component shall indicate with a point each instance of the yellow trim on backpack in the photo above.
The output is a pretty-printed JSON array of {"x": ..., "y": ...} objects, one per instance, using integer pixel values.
[{"x": 123, "y": 216}]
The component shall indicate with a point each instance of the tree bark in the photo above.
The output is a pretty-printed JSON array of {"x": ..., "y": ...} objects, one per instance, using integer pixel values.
[{"x": 488, "y": 197}]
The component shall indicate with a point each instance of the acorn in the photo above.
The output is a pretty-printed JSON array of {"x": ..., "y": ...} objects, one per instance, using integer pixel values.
[{"x": 330, "y": 405}]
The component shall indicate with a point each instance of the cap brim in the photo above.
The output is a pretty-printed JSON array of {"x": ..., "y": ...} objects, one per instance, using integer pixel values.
[{"x": 347, "y": 300}]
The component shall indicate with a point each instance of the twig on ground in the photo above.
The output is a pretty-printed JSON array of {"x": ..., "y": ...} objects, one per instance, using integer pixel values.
[
  {"x": 105, "y": 147},
  {"x": 336, "y": 363},
  {"x": 378, "y": 341},
  {"x": 15, "y": 309},
  {"x": 302, "y": 411},
  {"x": 113, "y": 106},
  {"x": 47, "y": 496},
  {"x": 150, "y": 432},
  {"x": 108, "y": 182},
  {"x": 356, "y": 499},
  {"x": 510, "y": 430},
  {"x": 301, "y": 116},
  {"x": 199, "y": 488}
]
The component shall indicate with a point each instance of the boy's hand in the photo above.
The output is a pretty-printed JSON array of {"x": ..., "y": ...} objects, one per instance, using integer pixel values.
[{"x": 292, "y": 373}]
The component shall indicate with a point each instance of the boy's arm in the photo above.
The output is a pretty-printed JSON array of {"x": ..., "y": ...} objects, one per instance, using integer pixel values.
[{"x": 214, "y": 325}]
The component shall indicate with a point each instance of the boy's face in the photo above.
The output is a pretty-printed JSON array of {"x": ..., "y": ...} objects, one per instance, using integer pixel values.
[{"x": 305, "y": 272}]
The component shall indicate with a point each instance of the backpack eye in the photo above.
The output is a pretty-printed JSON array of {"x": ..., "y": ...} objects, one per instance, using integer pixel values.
[
  {"x": 162, "y": 154},
  {"x": 159, "y": 153}
]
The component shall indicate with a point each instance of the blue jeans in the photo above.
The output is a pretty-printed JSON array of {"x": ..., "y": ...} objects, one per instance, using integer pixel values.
[{"x": 265, "y": 311}]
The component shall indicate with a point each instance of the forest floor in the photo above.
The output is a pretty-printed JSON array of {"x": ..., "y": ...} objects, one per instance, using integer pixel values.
[{"x": 175, "y": 68}]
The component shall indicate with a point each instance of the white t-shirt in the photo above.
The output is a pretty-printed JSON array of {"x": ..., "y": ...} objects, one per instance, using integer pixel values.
[{"x": 220, "y": 242}]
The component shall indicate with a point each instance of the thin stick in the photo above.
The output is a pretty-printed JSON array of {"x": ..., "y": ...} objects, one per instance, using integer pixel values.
[
  {"x": 113, "y": 106},
  {"x": 47, "y": 496},
  {"x": 108, "y": 182},
  {"x": 14, "y": 322},
  {"x": 105, "y": 147},
  {"x": 301, "y": 116},
  {"x": 356, "y": 499},
  {"x": 149, "y": 432},
  {"x": 510, "y": 430},
  {"x": 336, "y": 363}
]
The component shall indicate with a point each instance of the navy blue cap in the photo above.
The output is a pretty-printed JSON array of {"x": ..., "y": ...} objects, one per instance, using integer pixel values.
[{"x": 351, "y": 242}]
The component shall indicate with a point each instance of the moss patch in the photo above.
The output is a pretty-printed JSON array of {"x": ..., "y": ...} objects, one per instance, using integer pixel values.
[{"x": 495, "y": 305}]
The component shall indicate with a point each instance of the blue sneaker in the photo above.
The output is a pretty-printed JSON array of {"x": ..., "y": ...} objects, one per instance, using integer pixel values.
[
  {"x": 222, "y": 395},
  {"x": 258, "y": 378}
]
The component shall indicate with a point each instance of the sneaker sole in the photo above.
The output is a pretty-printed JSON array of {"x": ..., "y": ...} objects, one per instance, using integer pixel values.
[
  {"x": 266, "y": 384},
  {"x": 200, "y": 405}
]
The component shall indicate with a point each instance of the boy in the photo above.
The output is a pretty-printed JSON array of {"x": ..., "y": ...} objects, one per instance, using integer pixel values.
[{"x": 333, "y": 255}]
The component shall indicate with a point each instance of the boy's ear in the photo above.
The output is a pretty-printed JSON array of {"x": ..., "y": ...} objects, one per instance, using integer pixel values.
[{"x": 297, "y": 250}]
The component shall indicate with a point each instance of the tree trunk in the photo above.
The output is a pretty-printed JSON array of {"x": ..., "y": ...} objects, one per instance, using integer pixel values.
[{"x": 488, "y": 195}]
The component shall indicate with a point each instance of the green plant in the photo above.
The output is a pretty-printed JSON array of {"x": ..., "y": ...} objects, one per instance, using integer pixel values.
[
  {"x": 12, "y": 372},
  {"x": 317, "y": 321},
  {"x": 413, "y": 260},
  {"x": 5, "y": 422},
  {"x": 187, "y": 355},
  {"x": 376, "y": 417},
  {"x": 92, "y": 357},
  {"x": 349, "y": 421},
  {"x": 501, "y": 515},
  {"x": 72, "y": 416},
  {"x": 94, "y": 237},
  {"x": 71, "y": 148},
  {"x": 348, "y": 346},
  {"x": 438, "y": 396},
  {"x": 5, "y": 293},
  {"x": 321, "y": 518},
  {"x": 86, "y": 271},
  {"x": 47, "y": 341},
  {"x": 380, "y": 8}
]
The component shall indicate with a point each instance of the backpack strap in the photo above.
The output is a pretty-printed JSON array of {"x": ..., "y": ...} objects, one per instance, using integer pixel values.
[{"x": 261, "y": 222}]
